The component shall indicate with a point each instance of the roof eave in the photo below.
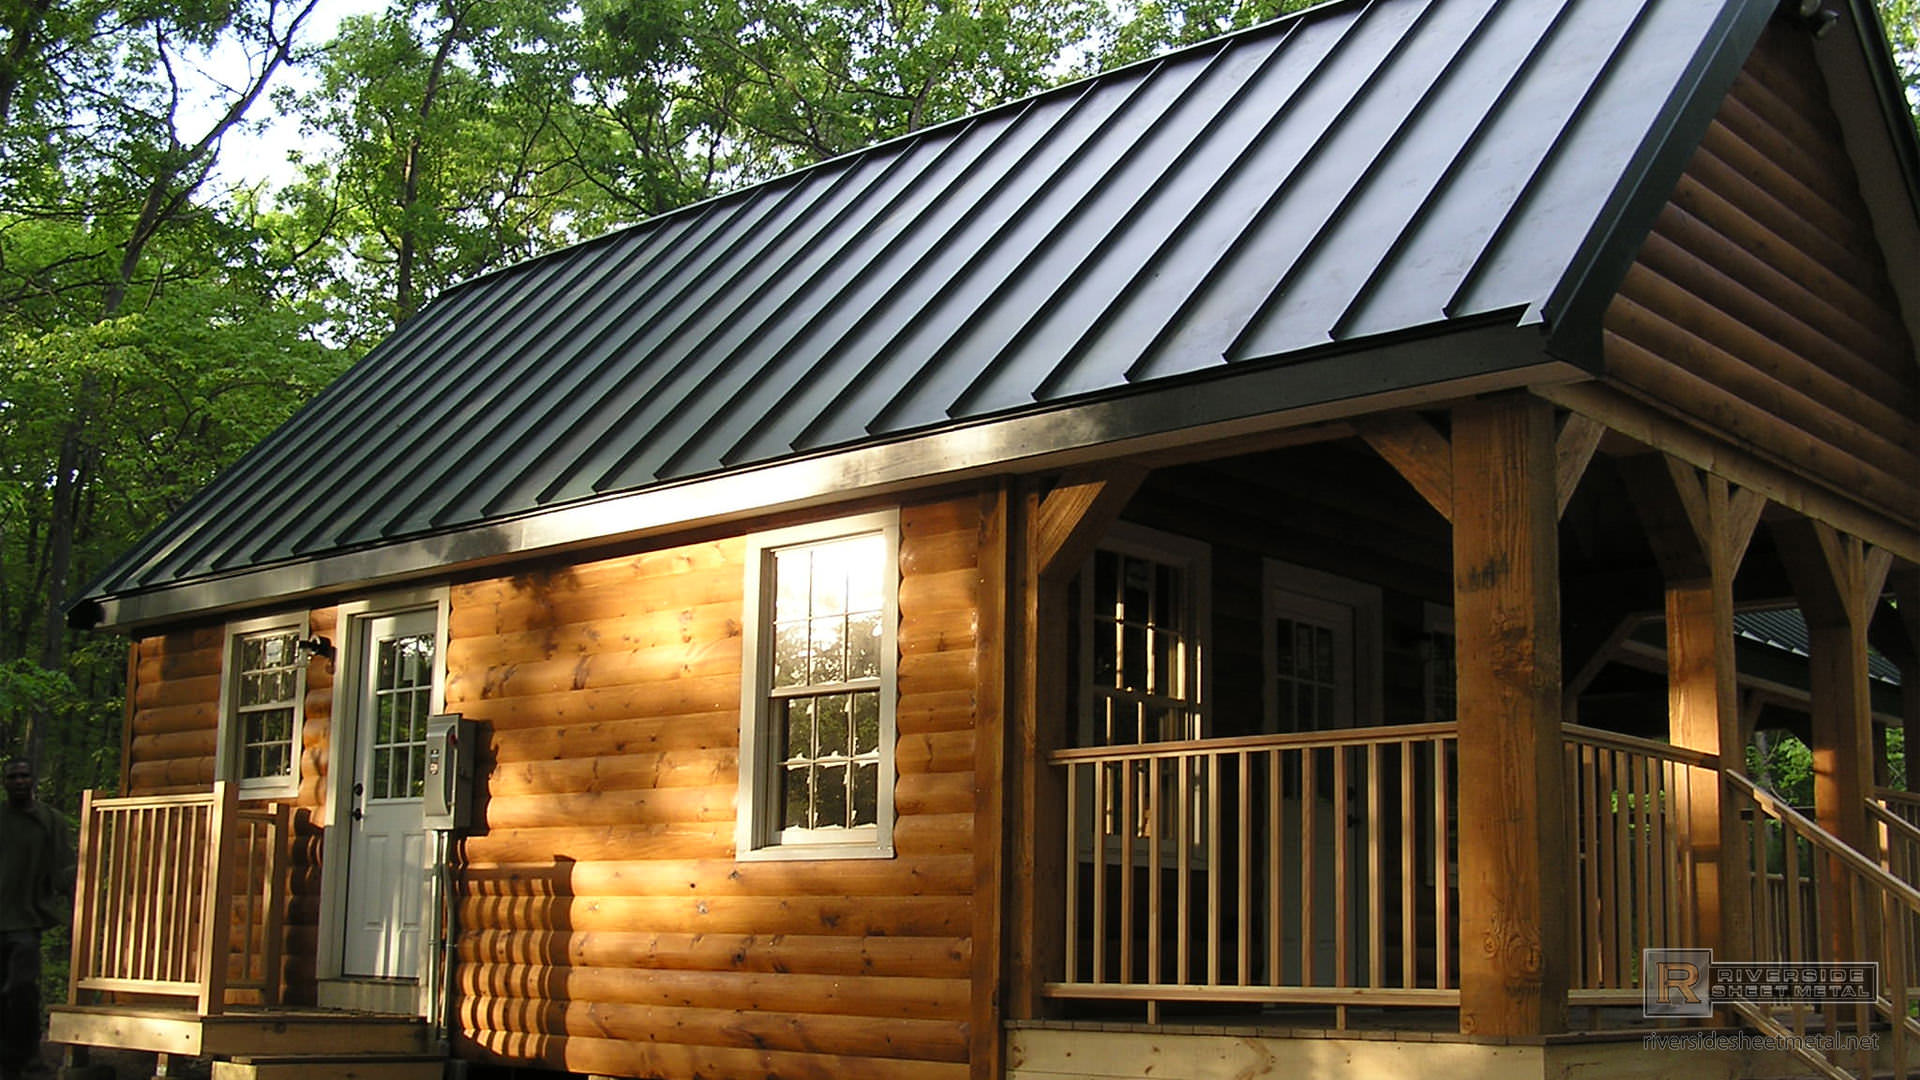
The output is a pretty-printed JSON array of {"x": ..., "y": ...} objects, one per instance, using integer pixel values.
[{"x": 1239, "y": 400}]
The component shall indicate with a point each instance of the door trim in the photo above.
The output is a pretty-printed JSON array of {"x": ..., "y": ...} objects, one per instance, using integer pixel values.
[{"x": 334, "y": 989}]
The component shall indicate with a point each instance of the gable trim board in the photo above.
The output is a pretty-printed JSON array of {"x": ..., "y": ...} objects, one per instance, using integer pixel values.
[{"x": 1360, "y": 206}]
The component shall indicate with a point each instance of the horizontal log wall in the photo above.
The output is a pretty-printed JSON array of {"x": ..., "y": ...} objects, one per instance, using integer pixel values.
[
  {"x": 175, "y": 732},
  {"x": 1760, "y": 306},
  {"x": 604, "y": 924}
]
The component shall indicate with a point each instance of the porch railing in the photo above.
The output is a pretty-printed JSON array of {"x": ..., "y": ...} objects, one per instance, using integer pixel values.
[
  {"x": 179, "y": 896},
  {"x": 1897, "y": 814},
  {"x": 1630, "y": 806},
  {"x": 1312, "y": 868},
  {"x": 1854, "y": 910}
]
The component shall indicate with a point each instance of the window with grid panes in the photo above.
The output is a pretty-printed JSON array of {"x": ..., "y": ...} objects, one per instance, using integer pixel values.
[
  {"x": 1141, "y": 594},
  {"x": 822, "y": 729},
  {"x": 402, "y": 700},
  {"x": 1322, "y": 648},
  {"x": 264, "y": 706}
]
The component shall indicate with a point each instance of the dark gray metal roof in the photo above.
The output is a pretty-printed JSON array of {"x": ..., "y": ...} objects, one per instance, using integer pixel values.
[
  {"x": 1786, "y": 629},
  {"x": 1364, "y": 172}
]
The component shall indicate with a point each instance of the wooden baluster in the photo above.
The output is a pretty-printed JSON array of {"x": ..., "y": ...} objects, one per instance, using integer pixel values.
[
  {"x": 1442, "y": 869},
  {"x": 1101, "y": 795},
  {"x": 1308, "y": 976},
  {"x": 1409, "y": 837},
  {"x": 1154, "y": 817},
  {"x": 1213, "y": 870},
  {"x": 1128, "y": 822},
  {"x": 1183, "y": 883},
  {"x": 1244, "y": 956},
  {"x": 1275, "y": 823},
  {"x": 1342, "y": 925},
  {"x": 1070, "y": 947},
  {"x": 1376, "y": 906}
]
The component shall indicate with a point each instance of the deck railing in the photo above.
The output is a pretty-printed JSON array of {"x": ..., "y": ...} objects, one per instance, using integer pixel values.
[
  {"x": 1312, "y": 868},
  {"x": 179, "y": 896},
  {"x": 1898, "y": 817},
  {"x": 1855, "y": 911},
  {"x": 1630, "y": 804}
]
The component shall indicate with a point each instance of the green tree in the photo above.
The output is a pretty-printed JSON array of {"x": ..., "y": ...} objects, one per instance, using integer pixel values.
[
  {"x": 450, "y": 161},
  {"x": 111, "y": 238}
]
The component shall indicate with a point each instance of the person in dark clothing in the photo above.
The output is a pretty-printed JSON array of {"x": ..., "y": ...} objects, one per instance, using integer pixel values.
[{"x": 36, "y": 874}]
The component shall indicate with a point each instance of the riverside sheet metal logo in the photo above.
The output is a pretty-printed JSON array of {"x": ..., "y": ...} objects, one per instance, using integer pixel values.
[{"x": 1686, "y": 982}]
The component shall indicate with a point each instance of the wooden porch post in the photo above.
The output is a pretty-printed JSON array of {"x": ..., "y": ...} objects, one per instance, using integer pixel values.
[
  {"x": 1515, "y": 957},
  {"x": 1699, "y": 527},
  {"x": 1838, "y": 580},
  {"x": 1055, "y": 534}
]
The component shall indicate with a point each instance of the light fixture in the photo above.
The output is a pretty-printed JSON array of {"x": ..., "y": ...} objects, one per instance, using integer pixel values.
[
  {"x": 308, "y": 648},
  {"x": 1816, "y": 17}
]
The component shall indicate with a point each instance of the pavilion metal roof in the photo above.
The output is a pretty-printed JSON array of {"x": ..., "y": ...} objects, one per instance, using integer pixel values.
[{"x": 1294, "y": 202}]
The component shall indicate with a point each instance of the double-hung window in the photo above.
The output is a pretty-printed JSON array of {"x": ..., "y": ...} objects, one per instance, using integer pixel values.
[
  {"x": 1143, "y": 610},
  {"x": 262, "y": 699},
  {"x": 817, "y": 727}
]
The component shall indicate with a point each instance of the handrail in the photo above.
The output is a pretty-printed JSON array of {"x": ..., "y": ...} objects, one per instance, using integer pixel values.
[
  {"x": 1635, "y": 745},
  {"x": 1834, "y": 846},
  {"x": 1907, "y": 829},
  {"x": 1861, "y": 912},
  {"x": 1304, "y": 740}
]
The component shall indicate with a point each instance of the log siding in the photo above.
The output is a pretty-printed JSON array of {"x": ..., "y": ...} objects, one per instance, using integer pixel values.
[
  {"x": 175, "y": 730},
  {"x": 604, "y": 924},
  {"x": 1760, "y": 306}
]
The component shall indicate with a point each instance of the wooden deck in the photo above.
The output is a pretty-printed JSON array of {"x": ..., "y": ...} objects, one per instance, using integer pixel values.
[{"x": 239, "y": 1032}]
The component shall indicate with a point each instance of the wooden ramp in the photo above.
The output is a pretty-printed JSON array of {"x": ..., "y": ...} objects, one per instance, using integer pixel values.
[{"x": 261, "y": 1043}]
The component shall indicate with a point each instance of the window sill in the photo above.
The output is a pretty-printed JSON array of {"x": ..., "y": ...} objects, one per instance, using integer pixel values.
[{"x": 818, "y": 852}]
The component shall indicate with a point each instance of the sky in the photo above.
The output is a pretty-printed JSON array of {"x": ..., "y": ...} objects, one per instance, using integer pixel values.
[{"x": 259, "y": 154}]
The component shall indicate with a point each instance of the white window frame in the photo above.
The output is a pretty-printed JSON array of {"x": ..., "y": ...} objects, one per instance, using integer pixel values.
[
  {"x": 1195, "y": 559},
  {"x": 756, "y": 837},
  {"x": 227, "y": 751},
  {"x": 1365, "y": 603}
]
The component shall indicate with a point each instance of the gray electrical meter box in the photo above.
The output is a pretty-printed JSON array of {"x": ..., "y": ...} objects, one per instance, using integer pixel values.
[{"x": 452, "y": 743}]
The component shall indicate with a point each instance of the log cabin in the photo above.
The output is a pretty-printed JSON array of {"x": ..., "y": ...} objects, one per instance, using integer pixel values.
[{"x": 1228, "y": 566}]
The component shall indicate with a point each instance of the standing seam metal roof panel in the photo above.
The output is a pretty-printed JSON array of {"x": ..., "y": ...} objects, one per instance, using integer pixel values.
[{"x": 1365, "y": 170}]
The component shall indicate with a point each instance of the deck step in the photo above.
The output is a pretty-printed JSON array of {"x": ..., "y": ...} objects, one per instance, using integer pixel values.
[{"x": 332, "y": 1067}]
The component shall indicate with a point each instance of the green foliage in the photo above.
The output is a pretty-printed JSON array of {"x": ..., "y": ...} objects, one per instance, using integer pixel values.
[
  {"x": 1784, "y": 764},
  {"x": 1155, "y": 25}
]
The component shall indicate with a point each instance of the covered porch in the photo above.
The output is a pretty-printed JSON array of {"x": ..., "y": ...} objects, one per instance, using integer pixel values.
[{"x": 1468, "y": 837}]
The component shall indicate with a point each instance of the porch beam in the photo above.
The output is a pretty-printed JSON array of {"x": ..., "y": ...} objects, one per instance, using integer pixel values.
[
  {"x": 1838, "y": 580},
  {"x": 1700, "y": 527},
  {"x": 1514, "y": 963},
  {"x": 1054, "y": 533},
  {"x": 1644, "y": 423}
]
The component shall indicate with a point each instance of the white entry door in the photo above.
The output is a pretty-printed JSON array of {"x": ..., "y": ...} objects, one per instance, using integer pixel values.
[{"x": 387, "y": 843}]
